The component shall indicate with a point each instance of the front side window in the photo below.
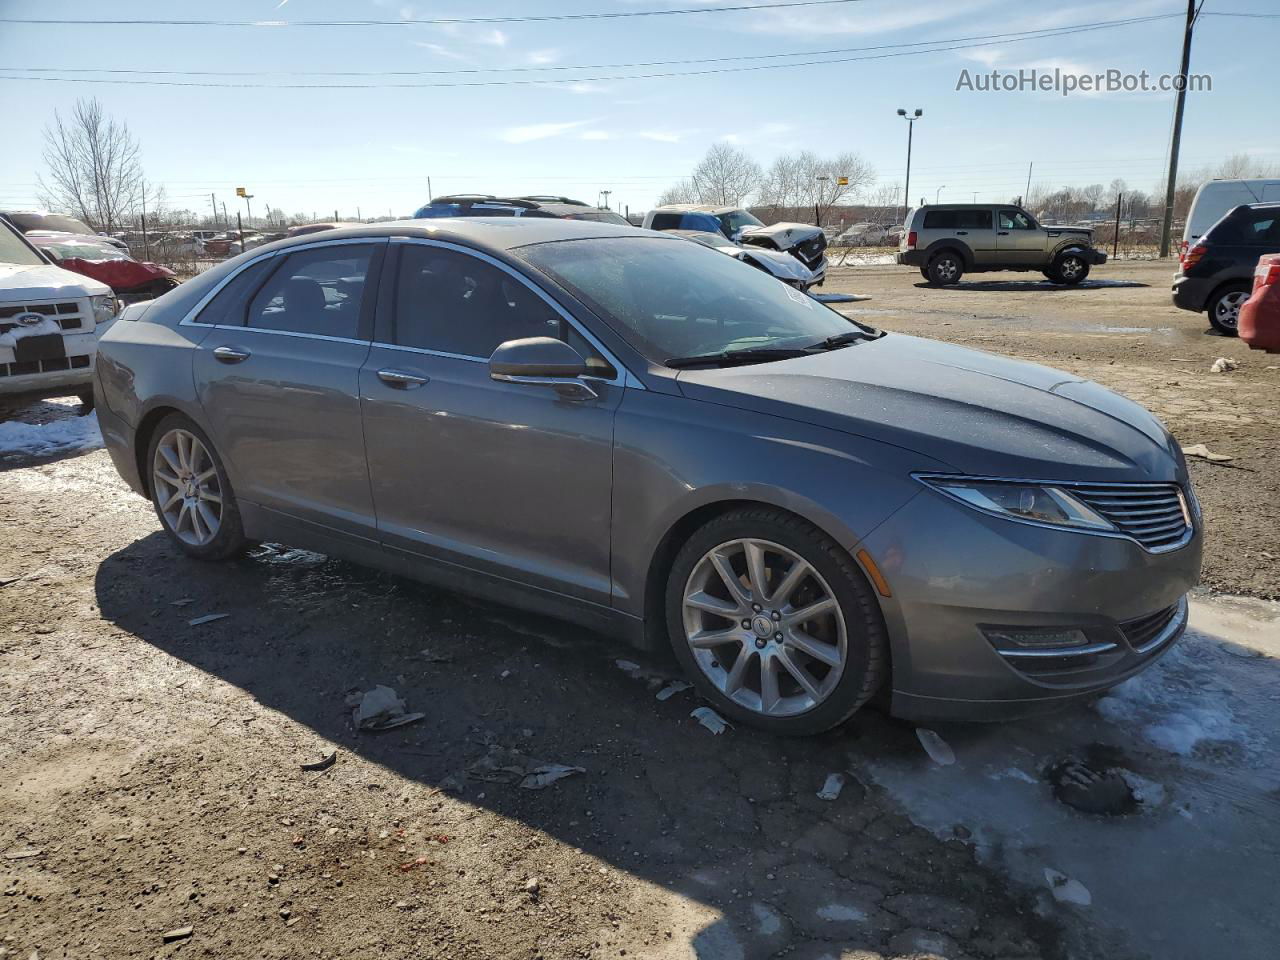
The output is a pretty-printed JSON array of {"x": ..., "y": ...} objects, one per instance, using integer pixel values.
[
  {"x": 1015, "y": 220},
  {"x": 318, "y": 291},
  {"x": 672, "y": 299},
  {"x": 228, "y": 307},
  {"x": 735, "y": 220},
  {"x": 451, "y": 302},
  {"x": 13, "y": 249}
]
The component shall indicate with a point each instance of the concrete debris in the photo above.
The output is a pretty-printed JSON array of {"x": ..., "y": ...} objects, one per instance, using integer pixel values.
[
  {"x": 381, "y": 709},
  {"x": 1204, "y": 453},
  {"x": 24, "y": 854},
  {"x": 832, "y": 787},
  {"x": 179, "y": 933},
  {"x": 504, "y": 765},
  {"x": 939, "y": 750},
  {"x": 1223, "y": 365},
  {"x": 672, "y": 688},
  {"x": 1066, "y": 890},
  {"x": 711, "y": 720}
]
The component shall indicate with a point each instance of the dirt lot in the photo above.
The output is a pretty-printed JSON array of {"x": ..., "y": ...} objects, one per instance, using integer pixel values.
[
  {"x": 150, "y": 773},
  {"x": 1120, "y": 329}
]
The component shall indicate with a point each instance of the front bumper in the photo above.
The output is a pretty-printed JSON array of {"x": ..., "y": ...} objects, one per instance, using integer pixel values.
[
  {"x": 1191, "y": 293},
  {"x": 1096, "y": 257},
  {"x": 954, "y": 571}
]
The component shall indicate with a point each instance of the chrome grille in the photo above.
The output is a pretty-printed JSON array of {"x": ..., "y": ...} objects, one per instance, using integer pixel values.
[{"x": 1154, "y": 514}]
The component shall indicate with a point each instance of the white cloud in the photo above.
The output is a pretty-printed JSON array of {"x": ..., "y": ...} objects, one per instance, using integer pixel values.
[
  {"x": 539, "y": 131},
  {"x": 540, "y": 58},
  {"x": 493, "y": 38},
  {"x": 584, "y": 87},
  {"x": 440, "y": 51},
  {"x": 816, "y": 22},
  {"x": 764, "y": 132},
  {"x": 662, "y": 136},
  {"x": 596, "y": 135}
]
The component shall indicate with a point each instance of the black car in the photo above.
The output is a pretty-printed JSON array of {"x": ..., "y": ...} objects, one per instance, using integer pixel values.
[
  {"x": 1216, "y": 275},
  {"x": 487, "y": 205}
]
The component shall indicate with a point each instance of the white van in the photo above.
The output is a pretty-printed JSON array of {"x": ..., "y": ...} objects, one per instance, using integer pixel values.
[
  {"x": 1216, "y": 198},
  {"x": 50, "y": 321}
]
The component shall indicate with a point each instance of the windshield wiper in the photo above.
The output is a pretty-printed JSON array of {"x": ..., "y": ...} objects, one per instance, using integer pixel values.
[
  {"x": 747, "y": 355},
  {"x": 844, "y": 339}
]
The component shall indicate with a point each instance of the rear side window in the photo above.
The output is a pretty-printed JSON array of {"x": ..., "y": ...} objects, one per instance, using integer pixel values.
[
  {"x": 227, "y": 309},
  {"x": 318, "y": 292},
  {"x": 666, "y": 221},
  {"x": 1263, "y": 228},
  {"x": 974, "y": 219},
  {"x": 940, "y": 220}
]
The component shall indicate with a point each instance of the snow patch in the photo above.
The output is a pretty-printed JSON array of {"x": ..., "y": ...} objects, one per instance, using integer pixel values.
[
  {"x": 836, "y": 912},
  {"x": 44, "y": 439}
]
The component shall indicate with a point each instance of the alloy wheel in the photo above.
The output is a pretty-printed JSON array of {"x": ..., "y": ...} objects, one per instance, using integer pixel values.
[
  {"x": 187, "y": 489},
  {"x": 1070, "y": 268},
  {"x": 1227, "y": 309},
  {"x": 946, "y": 269},
  {"x": 764, "y": 627}
]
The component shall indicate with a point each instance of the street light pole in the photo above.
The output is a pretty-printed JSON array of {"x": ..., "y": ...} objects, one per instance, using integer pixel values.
[
  {"x": 606, "y": 197},
  {"x": 911, "y": 126},
  {"x": 937, "y": 193}
]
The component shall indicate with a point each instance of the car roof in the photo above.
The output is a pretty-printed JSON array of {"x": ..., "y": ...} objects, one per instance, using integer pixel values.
[
  {"x": 695, "y": 208},
  {"x": 492, "y": 233}
]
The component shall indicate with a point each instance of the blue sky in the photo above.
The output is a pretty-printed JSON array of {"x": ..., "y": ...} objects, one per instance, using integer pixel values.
[{"x": 316, "y": 150}]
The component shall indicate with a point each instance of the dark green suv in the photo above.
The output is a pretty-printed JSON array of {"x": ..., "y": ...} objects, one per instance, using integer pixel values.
[{"x": 949, "y": 240}]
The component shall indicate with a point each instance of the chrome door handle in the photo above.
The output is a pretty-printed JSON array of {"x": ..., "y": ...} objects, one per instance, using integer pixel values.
[
  {"x": 231, "y": 354},
  {"x": 1003, "y": 233},
  {"x": 401, "y": 379},
  {"x": 962, "y": 233}
]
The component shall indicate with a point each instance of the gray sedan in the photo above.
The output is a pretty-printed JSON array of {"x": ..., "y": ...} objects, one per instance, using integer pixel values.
[{"x": 648, "y": 437}]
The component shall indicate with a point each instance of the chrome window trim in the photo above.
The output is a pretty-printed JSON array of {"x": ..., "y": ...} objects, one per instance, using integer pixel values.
[
  {"x": 924, "y": 478},
  {"x": 624, "y": 377},
  {"x": 189, "y": 320}
]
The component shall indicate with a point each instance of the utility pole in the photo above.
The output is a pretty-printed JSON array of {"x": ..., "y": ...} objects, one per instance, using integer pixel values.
[
  {"x": 1115, "y": 241},
  {"x": 430, "y": 195},
  {"x": 911, "y": 126},
  {"x": 606, "y": 197},
  {"x": 213, "y": 198},
  {"x": 226, "y": 220},
  {"x": 1027, "y": 193},
  {"x": 1179, "y": 105}
]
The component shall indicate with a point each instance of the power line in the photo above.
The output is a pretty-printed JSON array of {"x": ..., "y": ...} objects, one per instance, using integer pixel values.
[
  {"x": 950, "y": 45},
  {"x": 1020, "y": 34},
  {"x": 429, "y": 21}
]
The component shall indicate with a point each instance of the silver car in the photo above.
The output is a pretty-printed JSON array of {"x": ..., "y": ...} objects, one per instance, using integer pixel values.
[{"x": 634, "y": 432}]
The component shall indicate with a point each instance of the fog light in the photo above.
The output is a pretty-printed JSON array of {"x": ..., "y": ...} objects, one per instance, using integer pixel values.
[{"x": 1037, "y": 639}]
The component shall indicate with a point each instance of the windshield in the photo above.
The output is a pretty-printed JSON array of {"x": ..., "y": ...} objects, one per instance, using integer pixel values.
[
  {"x": 13, "y": 249},
  {"x": 601, "y": 216},
  {"x": 82, "y": 251},
  {"x": 732, "y": 222},
  {"x": 674, "y": 299},
  {"x": 48, "y": 221}
]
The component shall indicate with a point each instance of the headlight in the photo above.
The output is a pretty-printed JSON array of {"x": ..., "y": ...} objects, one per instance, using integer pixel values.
[
  {"x": 1022, "y": 501},
  {"x": 104, "y": 308}
]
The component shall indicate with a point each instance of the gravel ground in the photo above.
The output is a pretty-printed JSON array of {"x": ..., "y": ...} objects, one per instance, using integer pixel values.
[{"x": 150, "y": 769}]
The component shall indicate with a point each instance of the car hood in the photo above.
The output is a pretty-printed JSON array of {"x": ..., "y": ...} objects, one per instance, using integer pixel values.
[
  {"x": 782, "y": 235},
  {"x": 1084, "y": 231},
  {"x": 780, "y": 264},
  {"x": 45, "y": 282},
  {"x": 974, "y": 412}
]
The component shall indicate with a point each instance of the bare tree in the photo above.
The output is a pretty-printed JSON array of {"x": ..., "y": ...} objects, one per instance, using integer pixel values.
[
  {"x": 92, "y": 166},
  {"x": 725, "y": 176},
  {"x": 682, "y": 192},
  {"x": 797, "y": 183},
  {"x": 1241, "y": 166}
]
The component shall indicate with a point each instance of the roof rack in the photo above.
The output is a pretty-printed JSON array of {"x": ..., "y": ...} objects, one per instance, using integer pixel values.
[{"x": 547, "y": 198}]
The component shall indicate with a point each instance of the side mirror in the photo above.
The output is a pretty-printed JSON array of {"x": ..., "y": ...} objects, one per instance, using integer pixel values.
[{"x": 542, "y": 362}]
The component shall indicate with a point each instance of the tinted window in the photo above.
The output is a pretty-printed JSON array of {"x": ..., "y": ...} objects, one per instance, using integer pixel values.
[
  {"x": 940, "y": 220},
  {"x": 455, "y": 303},
  {"x": 228, "y": 308},
  {"x": 666, "y": 221},
  {"x": 974, "y": 219},
  {"x": 1263, "y": 228},
  {"x": 679, "y": 299},
  {"x": 1015, "y": 220},
  {"x": 317, "y": 291}
]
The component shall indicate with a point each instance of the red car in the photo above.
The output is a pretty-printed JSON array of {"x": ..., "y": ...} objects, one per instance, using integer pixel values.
[
  {"x": 1260, "y": 314},
  {"x": 127, "y": 277}
]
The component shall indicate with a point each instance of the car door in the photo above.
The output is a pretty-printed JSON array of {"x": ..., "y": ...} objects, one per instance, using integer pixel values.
[
  {"x": 1019, "y": 240},
  {"x": 509, "y": 479},
  {"x": 278, "y": 379}
]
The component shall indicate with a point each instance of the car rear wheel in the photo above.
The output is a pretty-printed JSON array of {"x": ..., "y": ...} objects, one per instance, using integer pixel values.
[
  {"x": 924, "y": 272},
  {"x": 1069, "y": 268},
  {"x": 774, "y": 622},
  {"x": 1224, "y": 307},
  {"x": 191, "y": 493},
  {"x": 85, "y": 397},
  {"x": 945, "y": 268}
]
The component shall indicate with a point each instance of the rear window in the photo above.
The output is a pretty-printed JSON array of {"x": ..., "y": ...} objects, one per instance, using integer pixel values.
[
  {"x": 1247, "y": 226},
  {"x": 48, "y": 221},
  {"x": 666, "y": 221},
  {"x": 957, "y": 220}
]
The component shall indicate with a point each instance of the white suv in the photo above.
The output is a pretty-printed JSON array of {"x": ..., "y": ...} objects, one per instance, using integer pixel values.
[{"x": 50, "y": 321}]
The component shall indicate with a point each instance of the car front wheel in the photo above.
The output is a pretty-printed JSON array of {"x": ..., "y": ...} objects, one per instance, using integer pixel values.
[
  {"x": 191, "y": 493},
  {"x": 1224, "y": 308},
  {"x": 775, "y": 623},
  {"x": 1069, "y": 268}
]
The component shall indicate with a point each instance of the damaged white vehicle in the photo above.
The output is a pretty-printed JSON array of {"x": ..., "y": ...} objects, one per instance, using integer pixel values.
[
  {"x": 50, "y": 320},
  {"x": 801, "y": 241},
  {"x": 781, "y": 265}
]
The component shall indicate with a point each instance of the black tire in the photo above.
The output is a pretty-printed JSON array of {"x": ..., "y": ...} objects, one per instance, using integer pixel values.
[
  {"x": 1224, "y": 307},
  {"x": 85, "y": 397},
  {"x": 946, "y": 268},
  {"x": 229, "y": 541},
  {"x": 867, "y": 650},
  {"x": 924, "y": 272},
  {"x": 1069, "y": 267}
]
